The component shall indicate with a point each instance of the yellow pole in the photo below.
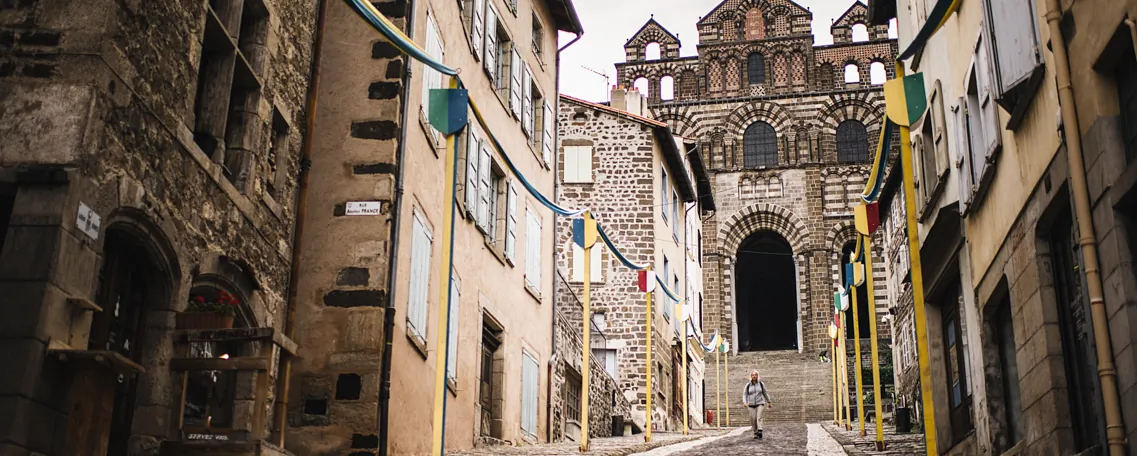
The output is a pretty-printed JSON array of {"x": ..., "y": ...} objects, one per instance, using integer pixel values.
[
  {"x": 648, "y": 368},
  {"x": 845, "y": 373},
  {"x": 718, "y": 392},
  {"x": 726, "y": 370},
  {"x": 440, "y": 327},
  {"x": 833, "y": 361},
  {"x": 859, "y": 387},
  {"x": 873, "y": 345},
  {"x": 685, "y": 397},
  {"x": 589, "y": 239},
  {"x": 917, "y": 287}
]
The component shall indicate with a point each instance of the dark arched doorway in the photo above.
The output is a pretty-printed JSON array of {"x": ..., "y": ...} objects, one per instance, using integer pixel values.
[
  {"x": 864, "y": 318},
  {"x": 766, "y": 294}
]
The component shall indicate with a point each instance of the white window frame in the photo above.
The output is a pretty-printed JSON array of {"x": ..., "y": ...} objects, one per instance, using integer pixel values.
[
  {"x": 452, "y": 337},
  {"x": 578, "y": 164},
  {"x": 418, "y": 296}
]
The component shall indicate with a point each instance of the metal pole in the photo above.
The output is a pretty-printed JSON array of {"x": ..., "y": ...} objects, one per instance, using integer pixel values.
[
  {"x": 873, "y": 346},
  {"x": 685, "y": 379},
  {"x": 917, "y": 287},
  {"x": 859, "y": 387},
  {"x": 845, "y": 373},
  {"x": 585, "y": 363},
  {"x": 726, "y": 369},
  {"x": 718, "y": 391},
  {"x": 836, "y": 401},
  {"x": 441, "y": 328},
  {"x": 648, "y": 368}
]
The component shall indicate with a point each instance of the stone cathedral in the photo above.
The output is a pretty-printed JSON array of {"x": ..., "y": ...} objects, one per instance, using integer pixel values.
[{"x": 788, "y": 129}]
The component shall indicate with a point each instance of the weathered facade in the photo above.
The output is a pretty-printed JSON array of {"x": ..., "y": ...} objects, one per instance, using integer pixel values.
[
  {"x": 148, "y": 158},
  {"x": 374, "y": 275},
  {"x": 1013, "y": 342},
  {"x": 635, "y": 176}
]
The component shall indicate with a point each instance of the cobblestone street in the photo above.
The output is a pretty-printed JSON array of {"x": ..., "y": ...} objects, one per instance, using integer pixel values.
[
  {"x": 895, "y": 444},
  {"x": 779, "y": 439}
]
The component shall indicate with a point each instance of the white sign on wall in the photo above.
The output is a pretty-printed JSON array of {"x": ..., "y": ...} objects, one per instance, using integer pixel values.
[
  {"x": 88, "y": 221},
  {"x": 364, "y": 207}
]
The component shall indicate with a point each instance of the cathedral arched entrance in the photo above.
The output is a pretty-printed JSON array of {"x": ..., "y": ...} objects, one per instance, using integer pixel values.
[{"x": 767, "y": 293}]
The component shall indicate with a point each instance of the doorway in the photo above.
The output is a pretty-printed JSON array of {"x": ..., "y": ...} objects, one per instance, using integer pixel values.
[
  {"x": 491, "y": 379},
  {"x": 767, "y": 299}
]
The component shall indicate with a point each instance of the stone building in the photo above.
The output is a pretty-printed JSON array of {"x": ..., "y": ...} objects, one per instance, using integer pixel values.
[
  {"x": 635, "y": 176},
  {"x": 149, "y": 154},
  {"x": 373, "y": 281},
  {"x": 786, "y": 129},
  {"x": 1007, "y": 275}
]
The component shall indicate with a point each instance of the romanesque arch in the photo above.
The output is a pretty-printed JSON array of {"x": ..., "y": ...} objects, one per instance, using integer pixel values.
[
  {"x": 842, "y": 108},
  {"x": 771, "y": 113}
]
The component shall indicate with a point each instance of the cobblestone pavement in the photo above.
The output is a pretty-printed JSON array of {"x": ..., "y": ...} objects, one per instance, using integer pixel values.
[
  {"x": 604, "y": 446},
  {"x": 779, "y": 440},
  {"x": 895, "y": 444}
]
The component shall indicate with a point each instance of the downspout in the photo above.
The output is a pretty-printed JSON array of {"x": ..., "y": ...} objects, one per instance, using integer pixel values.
[
  {"x": 1114, "y": 425},
  {"x": 284, "y": 376},
  {"x": 556, "y": 199},
  {"x": 393, "y": 247}
]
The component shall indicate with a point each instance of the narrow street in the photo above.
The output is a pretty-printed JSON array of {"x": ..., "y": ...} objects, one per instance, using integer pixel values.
[{"x": 779, "y": 439}]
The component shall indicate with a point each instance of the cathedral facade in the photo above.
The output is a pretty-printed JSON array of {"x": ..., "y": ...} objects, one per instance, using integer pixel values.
[{"x": 787, "y": 129}]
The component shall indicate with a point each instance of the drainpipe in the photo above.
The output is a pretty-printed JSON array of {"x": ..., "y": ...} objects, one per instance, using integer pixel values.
[
  {"x": 284, "y": 376},
  {"x": 1132, "y": 32},
  {"x": 556, "y": 199},
  {"x": 393, "y": 247},
  {"x": 1114, "y": 426}
]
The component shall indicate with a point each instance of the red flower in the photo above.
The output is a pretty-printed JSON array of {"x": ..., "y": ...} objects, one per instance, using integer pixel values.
[{"x": 199, "y": 299}]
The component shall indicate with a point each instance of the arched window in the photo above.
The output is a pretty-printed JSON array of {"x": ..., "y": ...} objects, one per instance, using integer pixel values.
[
  {"x": 825, "y": 76},
  {"x": 667, "y": 88},
  {"x": 761, "y": 146},
  {"x": 756, "y": 68},
  {"x": 852, "y": 142},
  {"x": 852, "y": 74},
  {"x": 877, "y": 73},
  {"x": 641, "y": 85},
  {"x": 892, "y": 34},
  {"x": 860, "y": 33},
  {"x": 652, "y": 52}
]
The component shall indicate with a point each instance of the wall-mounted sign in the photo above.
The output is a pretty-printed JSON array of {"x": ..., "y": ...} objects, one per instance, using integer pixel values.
[
  {"x": 363, "y": 207},
  {"x": 88, "y": 221},
  {"x": 214, "y": 437}
]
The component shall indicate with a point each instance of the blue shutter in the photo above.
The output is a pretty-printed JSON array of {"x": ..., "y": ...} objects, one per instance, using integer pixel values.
[{"x": 530, "y": 383}]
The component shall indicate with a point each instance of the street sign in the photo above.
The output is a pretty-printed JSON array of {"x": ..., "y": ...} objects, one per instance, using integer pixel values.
[{"x": 364, "y": 208}]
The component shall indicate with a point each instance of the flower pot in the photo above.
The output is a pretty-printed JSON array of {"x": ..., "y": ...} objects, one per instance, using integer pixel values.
[{"x": 203, "y": 320}]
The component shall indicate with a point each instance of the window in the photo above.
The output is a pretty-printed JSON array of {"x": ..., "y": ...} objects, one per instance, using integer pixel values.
[
  {"x": 538, "y": 38},
  {"x": 663, "y": 193},
  {"x": 1015, "y": 54},
  {"x": 877, "y": 73},
  {"x": 431, "y": 78},
  {"x": 1008, "y": 364},
  {"x": 490, "y": 395},
  {"x": 496, "y": 50},
  {"x": 852, "y": 74},
  {"x": 527, "y": 106},
  {"x": 640, "y": 85},
  {"x": 761, "y": 146},
  {"x": 475, "y": 144},
  {"x": 276, "y": 165},
  {"x": 983, "y": 131},
  {"x": 699, "y": 252},
  {"x": 860, "y": 33},
  {"x": 452, "y": 333},
  {"x": 675, "y": 214},
  {"x": 667, "y": 88},
  {"x": 756, "y": 68},
  {"x": 548, "y": 123},
  {"x": 228, "y": 78},
  {"x": 474, "y": 18},
  {"x": 666, "y": 274},
  {"x": 1125, "y": 75},
  {"x": 491, "y": 182},
  {"x": 607, "y": 357},
  {"x": 529, "y": 385},
  {"x": 572, "y": 395},
  {"x": 597, "y": 266},
  {"x": 421, "y": 239},
  {"x": 578, "y": 165},
  {"x": 652, "y": 52},
  {"x": 852, "y": 142},
  {"x": 962, "y": 154},
  {"x": 511, "y": 222},
  {"x": 512, "y": 6},
  {"x": 533, "y": 250},
  {"x": 955, "y": 359}
]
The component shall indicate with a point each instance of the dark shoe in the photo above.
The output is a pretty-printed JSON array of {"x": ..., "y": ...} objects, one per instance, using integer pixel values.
[
  {"x": 756, "y": 437},
  {"x": 759, "y": 434}
]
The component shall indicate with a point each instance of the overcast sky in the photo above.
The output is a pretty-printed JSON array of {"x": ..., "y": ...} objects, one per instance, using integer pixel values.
[{"x": 608, "y": 24}]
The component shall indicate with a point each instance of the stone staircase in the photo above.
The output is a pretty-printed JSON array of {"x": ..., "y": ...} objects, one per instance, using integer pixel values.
[{"x": 800, "y": 385}]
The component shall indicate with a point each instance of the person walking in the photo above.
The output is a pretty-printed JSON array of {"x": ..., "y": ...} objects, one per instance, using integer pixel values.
[{"x": 756, "y": 398}]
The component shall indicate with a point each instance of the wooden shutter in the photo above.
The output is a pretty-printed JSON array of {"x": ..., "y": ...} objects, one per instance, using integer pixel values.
[
  {"x": 1013, "y": 43},
  {"x": 990, "y": 115},
  {"x": 597, "y": 265},
  {"x": 577, "y": 273},
  {"x": 584, "y": 164},
  {"x": 478, "y": 30},
  {"x": 429, "y": 75},
  {"x": 485, "y": 188},
  {"x": 675, "y": 213},
  {"x": 533, "y": 250},
  {"x": 511, "y": 222},
  {"x": 490, "y": 60},
  {"x": 515, "y": 72},
  {"x": 527, "y": 101},
  {"x": 939, "y": 130},
  {"x": 452, "y": 333},
  {"x": 547, "y": 145},
  {"x": 663, "y": 193},
  {"x": 529, "y": 385},
  {"x": 420, "y": 276},
  {"x": 472, "y": 154},
  {"x": 962, "y": 154}
]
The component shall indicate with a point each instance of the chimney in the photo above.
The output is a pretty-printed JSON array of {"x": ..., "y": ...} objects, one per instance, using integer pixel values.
[{"x": 619, "y": 98}]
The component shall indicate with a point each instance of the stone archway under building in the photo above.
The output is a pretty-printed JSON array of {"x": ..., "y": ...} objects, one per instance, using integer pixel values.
[{"x": 766, "y": 297}]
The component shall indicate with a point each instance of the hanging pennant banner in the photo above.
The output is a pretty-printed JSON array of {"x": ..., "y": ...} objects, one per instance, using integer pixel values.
[
  {"x": 448, "y": 109},
  {"x": 584, "y": 231},
  {"x": 858, "y": 273},
  {"x": 848, "y": 275},
  {"x": 832, "y": 331},
  {"x": 867, "y": 218},
  {"x": 646, "y": 279},
  {"x": 904, "y": 99}
]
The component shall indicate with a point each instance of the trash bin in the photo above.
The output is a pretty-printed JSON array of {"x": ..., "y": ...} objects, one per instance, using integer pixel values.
[
  {"x": 903, "y": 420},
  {"x": 710, "y": 417},
  {"x": 617, "y": 426}
]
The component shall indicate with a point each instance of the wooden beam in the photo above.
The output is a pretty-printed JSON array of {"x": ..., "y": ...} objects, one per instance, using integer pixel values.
[
  {"x": 84, "y": 304},
  {"x": 219, "y": 364},
  {"x": 113, "y": 360}
]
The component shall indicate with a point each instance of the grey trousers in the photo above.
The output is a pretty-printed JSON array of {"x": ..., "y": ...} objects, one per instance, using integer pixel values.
[{"x": 756, "y": 418}]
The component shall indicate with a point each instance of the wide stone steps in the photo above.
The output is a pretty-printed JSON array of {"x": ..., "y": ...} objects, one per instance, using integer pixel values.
[{"x": 800, "y": 385}]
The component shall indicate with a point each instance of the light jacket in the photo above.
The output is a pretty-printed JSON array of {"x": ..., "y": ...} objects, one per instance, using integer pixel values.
[{"x": 755, "y": 394}]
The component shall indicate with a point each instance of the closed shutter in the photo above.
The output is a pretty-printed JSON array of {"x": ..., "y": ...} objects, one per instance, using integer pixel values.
[
  {"x": 485, "y": 188},
  {"x": 985, "y": 76},
  {"x": 420, "y": 277},
  {"x": 490, "y": 60},
  {"x": 939, "y": 130},
  {"x": 962, "y": 153},
  {"x": 478, "y": 31},
  {"x": 663, "y": 193},
  {"x": 597, "y": 266},
  {"x": 527, "y": 101},
  {"x": 533, "y": 250},
  {"x": 577, "y": 273},
  {"x": 584, "y": 164},
  {"x": 430, "y": 76},
  {"x": 511, "y": 222},
  {"x": 547, "y": 145},
  {"x": 675, "y": 213},
  {"x": 472, "y": 154},
  {"x": 1014, "y": 42},
  {"x": 529, "y": 385},
  {"x": 452, "y": 333},
  {"x": 515, "y": 72}
]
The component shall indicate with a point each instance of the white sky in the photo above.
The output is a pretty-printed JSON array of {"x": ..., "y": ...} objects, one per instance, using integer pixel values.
[{"x": 608, "y": 24}]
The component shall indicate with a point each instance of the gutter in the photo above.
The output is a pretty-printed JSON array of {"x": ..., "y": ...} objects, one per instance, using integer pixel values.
[{"x": 393, "y": 248}]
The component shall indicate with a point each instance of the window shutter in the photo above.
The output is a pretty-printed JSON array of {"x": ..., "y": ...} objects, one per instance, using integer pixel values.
[
  {"x": 420, "y": 277},
  {"x": 675, "y": 213},
  {"x": 570, "y": 164},
  {"x": 511, "y": 222},
  {"x": 962, "y": 154},
  {"x": 597, "y": 264},
  {"x": 663, "y": 193},
  {"x": 485, "y": 188},
  {"x": 547, "y": 145},
  {"x": 429, "y": 75},
  {"x": 452, "y": 334},
  {"x": 515, "y": 73},
  {"x": 1014, "y": 43},
  {"x": 584, "y": 164},
  {"x": 529, "y": 386},
  {"x": 577, "y": 273},
  {"x": 527, "y": 101},
  {"x": 477, "y": 31},
  {"x": 533, "y": 250},
  {"x": 990, "y": 111},
  {"x": 939, "y": 130},
  {"x": 490, "y": 60},
  {"x": 472, "y": 154}
]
